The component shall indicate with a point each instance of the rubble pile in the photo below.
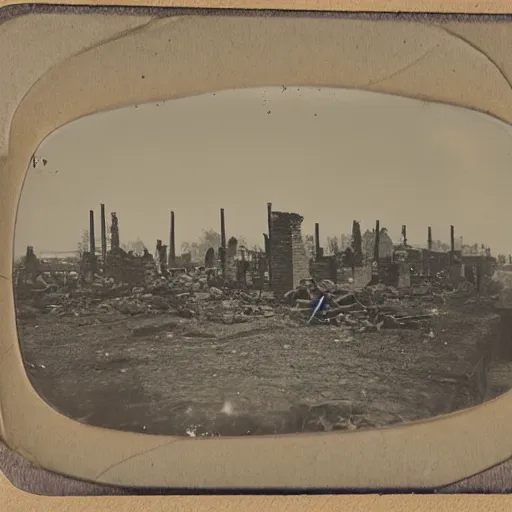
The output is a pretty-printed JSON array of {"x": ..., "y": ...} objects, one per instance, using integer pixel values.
[
  {"x": 370, "y": 309},
  {"x": 198, "y": 294},
  {"x": 187, "y": 294}
]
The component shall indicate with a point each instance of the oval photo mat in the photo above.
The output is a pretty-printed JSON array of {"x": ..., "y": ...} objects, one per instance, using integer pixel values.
[
  {"x": 222, "y": 331},
  {"x": 36, "y": 135}
]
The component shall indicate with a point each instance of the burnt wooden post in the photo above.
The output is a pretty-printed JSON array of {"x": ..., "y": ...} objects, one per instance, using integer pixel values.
[
  {"x": 404, "y": 234},
  {"x": 103, "y": 235},
  {"x": 429, "y": 256},
  {"x": 92, "y": 242},
  {"x": 269, "y": 245},
  {"x": 318, "y": 252},
  {"x": 376, "y": 255},
  {"x": 92, "y": 239},
  {"x": 223, "y": 242},
  {"x": 452, "y": 243},
  {"x": 172, "y": 244}
]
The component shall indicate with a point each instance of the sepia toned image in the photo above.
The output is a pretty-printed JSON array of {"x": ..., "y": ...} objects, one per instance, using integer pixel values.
[{"x": 267, "y": 261}]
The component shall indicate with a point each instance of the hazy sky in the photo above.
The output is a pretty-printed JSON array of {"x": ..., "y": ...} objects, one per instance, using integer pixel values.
[{"x": 332, "y": 155}]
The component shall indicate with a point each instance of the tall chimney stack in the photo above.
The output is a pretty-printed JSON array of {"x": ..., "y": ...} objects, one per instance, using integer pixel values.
[
  {"x": 92, "y": 239},
  {"x": 317, "y": 241},
  {"x": 376, "y": 247},
  {"x": 172, "y": 244},
  {"x": 404, "y": 234},
  {"x": 269, "y": 245},
  {"x": 223, "y": 241},
  {"x": 103, "y": 235}
]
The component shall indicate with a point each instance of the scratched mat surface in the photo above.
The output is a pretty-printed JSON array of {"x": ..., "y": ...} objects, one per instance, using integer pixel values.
[{"x": 31, "y": 479}]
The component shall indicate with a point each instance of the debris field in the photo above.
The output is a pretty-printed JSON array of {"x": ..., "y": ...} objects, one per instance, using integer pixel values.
[{"x": 180, "y": 356}]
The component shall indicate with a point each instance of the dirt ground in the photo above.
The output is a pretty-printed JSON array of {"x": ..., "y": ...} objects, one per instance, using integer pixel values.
[{"x": 271, "y": 375}]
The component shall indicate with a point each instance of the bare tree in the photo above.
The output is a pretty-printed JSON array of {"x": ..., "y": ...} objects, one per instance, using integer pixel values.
[
  {"x": 385, "y": 244},
  {"x": 136, "y": 246},
  {"x": 439, "y": 246},
  {"x": 211, "y": 238},
  {"x": 309, "y": 245},
  {"x": 333, "y": 245},
  {"x": 83, "y": 244},
  {"x": 345, "y": 241}
]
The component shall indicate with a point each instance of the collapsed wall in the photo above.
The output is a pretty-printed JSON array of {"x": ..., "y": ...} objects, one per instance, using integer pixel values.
[
  {"x": 124, "y": 268},
  {"x": 324, "y": 268},
  {"x": 288, "y": 257}
]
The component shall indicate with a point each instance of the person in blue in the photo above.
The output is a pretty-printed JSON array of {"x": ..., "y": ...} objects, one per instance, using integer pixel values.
[{"x": 320, "y": 301}]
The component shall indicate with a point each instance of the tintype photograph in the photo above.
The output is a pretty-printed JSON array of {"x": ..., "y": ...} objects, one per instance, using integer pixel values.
[{"x": 267, "y": 261}]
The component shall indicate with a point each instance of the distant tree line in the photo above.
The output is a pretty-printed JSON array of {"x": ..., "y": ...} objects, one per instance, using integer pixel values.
[
  {"x": 196, "y": 250},
  {"x": 361, "y": 245}
]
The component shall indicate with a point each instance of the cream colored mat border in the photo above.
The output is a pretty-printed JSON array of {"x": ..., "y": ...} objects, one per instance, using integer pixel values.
[
  {"x": 99, "y": 68},
  {"x": 444, "y": 6}
]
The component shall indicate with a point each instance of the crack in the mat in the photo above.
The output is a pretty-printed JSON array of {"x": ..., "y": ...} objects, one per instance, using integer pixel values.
[
  {"x": 135, "y": 455},
  {"x": 456, "y": 36},
  {"x": 6, "y": 351},
  {"x": 476, "y": 48},
  {"x": 111, "y": 39},
  {"x": 401, "y": 70}
]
